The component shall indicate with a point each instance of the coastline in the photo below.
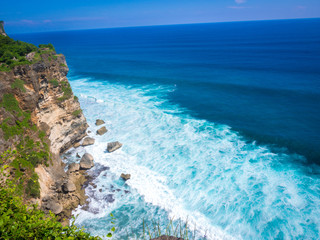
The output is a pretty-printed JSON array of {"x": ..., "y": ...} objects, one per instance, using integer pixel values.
[{"x": 56, "y": 124}]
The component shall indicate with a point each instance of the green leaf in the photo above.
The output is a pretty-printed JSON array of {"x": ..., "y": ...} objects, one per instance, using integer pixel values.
[{"x": 113, "y": 229}]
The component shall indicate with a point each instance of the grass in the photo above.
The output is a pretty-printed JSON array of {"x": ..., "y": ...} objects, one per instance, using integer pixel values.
[
  {"x": 12, "y": 53},
  {"x": 77, "y": 112},
  {"x": 54, "y": 82},
  {"x": 49, "y": 46},
  {"x": 19, "y": 84},
  {"x": 30, "y": 150},
  {"x": 10, "y": 103},
  {"x": 175, "y": 228},
  {"x": 67, "y": 91},
  {"x": 21, "y": 221}
]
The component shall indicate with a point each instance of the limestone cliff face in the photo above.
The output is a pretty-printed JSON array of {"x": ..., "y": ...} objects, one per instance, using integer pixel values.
[
  {"x": 52, "y": 109},
  {"x": 42, "y": 89},
  {"x": 58, "y": 114}
]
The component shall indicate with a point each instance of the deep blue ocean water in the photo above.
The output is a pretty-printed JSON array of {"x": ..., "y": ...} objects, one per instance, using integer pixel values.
[{"x": 220, "y": 124}]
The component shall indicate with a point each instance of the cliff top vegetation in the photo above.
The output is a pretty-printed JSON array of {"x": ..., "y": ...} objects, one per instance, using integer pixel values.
[{"x": 13, "y": 53}]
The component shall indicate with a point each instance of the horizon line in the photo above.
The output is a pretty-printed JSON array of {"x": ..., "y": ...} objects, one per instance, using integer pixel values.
[{"x": 159, "y": 25}]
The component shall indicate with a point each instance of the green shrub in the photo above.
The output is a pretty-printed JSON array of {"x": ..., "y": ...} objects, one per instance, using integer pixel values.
[
  {"x": 12, "y": 53},
  {"x": 19, "y": 221},
  {"x": 33, "y": 186},
  {"x": 49, "y": 45},
  {"x": 10, "y": 103},
  {"x": 67, "y": 91},
  {"x": 63, "y": 65},
  {"x": 75, "y": 98},
  {"x": 77, "y": 112},
  {"x": 10, "y": 131},
  {"x": 54, "y": 82},
  {"x": 18, "y": 83}
]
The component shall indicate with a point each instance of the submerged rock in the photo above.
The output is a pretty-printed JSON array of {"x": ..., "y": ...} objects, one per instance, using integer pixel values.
[
  {"x": 99, "y": 122},
  {"x": 102, "y": 131},
  {"x": 125, "y": 176},
  {"x": 112, "y": 146},
  {"x": 88, "y": 141},
  {"x": 86, "y": 161}
]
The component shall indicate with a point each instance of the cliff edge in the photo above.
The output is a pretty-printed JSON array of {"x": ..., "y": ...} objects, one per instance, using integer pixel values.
[
  {"x": 40, "y": 118},
  {"x": 2, "y": 32}
]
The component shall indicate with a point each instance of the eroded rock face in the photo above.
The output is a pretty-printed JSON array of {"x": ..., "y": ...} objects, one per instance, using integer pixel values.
[
  {"x": 102, "y": 131},
  {"x": 99, "y": 122},
  {"x": 88, "y": 141},
  {"x": 56, "y": 113},
  {"x": 113, "y": 146},
  {"x": 86, "y": 161},
  {"x": 30, "y": 56}
]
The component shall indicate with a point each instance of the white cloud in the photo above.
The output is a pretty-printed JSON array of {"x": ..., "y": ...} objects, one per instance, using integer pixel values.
[{"x": 240, "y": 1}]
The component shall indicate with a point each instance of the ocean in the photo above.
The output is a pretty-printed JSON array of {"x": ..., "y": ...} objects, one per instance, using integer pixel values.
[{"x": 219, "y": 124}]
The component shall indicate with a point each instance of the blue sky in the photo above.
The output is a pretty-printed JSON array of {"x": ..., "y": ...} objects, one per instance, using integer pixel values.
[{"x": 39, "y": 16}]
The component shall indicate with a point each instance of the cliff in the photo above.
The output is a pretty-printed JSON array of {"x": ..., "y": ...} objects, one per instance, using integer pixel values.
[
  {"x": 2, "y": 32},
  {"x": 40, "y": 118}
]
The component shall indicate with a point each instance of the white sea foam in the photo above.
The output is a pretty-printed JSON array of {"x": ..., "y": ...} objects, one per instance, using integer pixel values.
[{"x": 191, "y": 169}]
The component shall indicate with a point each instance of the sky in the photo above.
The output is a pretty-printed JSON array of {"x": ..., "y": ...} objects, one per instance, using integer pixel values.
[{"x": 58, "y": 15}]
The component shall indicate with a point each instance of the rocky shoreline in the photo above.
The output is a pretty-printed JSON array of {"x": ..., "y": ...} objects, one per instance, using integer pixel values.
[{"x": 68, "y": 192}]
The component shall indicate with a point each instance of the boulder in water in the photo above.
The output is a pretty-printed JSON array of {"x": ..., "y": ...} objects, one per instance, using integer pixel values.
[
  {"x": 99, "y": 122},
  {"x": 88, "y": 141},
  {"x": 102, "y": 131},
  {"x": 125, "y": 176},
  {"x": 112, "y": 146},
  {"x": 86, "y": 161}
]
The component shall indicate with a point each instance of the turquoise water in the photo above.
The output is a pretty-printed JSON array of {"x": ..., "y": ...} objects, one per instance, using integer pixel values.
[{"x": 219, "y": 125}]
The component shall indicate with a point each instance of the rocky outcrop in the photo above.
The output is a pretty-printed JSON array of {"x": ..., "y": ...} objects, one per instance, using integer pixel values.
[
  {"x": 67, "y": 194},
  {"x": 113, "y": 146}
]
